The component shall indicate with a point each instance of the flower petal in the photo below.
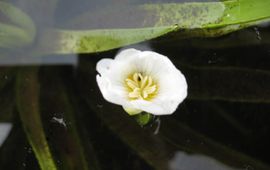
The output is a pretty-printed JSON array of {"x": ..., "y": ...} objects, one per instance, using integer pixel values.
[
  {"x": 173, "y": 85},
  {"x": 127, "y": 54},
  {"x": 104, "y": 65},
  {"x": 132, "y": 111},
  {"x": 157, "y": 107},
  {"x": 110, "y": 92},
  {"x": 150, "y": 107}
]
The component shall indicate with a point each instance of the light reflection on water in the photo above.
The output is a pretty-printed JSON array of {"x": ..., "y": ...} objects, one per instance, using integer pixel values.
[
  {"x": 4, "y": 131},
  {"x": 184, "y": 161}
]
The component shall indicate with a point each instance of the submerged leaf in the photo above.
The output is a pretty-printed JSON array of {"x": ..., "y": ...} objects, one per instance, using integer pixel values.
[
  {"x": 19, "y": 31},
  {"x": 27, "y": 96},
  {"x": 67, "y": 142}
]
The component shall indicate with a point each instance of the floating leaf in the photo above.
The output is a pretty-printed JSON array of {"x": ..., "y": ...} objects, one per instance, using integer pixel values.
[
  {"x": 194, "y": 19},
  {"x": 63, "y": 42}
]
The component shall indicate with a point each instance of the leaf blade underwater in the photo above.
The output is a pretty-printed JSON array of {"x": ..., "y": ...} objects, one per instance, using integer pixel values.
[{"x": 27, "y": 86}]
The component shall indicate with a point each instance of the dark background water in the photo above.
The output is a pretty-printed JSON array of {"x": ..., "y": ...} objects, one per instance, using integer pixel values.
[{"x": 223, "y": 123}]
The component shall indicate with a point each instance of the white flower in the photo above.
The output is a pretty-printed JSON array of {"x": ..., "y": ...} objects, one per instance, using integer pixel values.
[{"x": 141, "y": 81}]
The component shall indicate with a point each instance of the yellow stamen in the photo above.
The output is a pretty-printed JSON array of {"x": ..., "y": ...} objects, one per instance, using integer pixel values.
[{"x": 141, "y": 87}]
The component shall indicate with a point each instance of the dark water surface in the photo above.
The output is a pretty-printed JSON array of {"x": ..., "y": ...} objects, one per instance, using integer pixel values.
[{"x": 224, "y": 124}]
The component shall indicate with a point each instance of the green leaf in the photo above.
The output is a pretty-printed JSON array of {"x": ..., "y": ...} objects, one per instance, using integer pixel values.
[
  {"x": 195, "y": 19},
  {"x": 12, "y": 37},
  {"x": 62, "y": 42},
  {"x": 27, "y": 96},
  {"x": 20, "y": 29},
  {"x": 67, "y": 143},
  {"x": 16, "y": 16},
  {"x": 243, "y": 12}
]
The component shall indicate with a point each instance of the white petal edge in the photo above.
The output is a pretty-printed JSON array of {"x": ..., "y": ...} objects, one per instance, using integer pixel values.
[
  {"x": 127, "y": 54},
  {"x": 161, "y": 105},
  {"x": 111, "y": 93},
  {"x": 104, "y": 65}
]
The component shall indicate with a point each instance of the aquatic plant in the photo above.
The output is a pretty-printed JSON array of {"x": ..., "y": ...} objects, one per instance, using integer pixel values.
[{"x": 20, "y": 34}]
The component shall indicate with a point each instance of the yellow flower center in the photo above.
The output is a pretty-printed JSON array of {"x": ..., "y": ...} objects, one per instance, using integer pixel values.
[{"x": 141, "y": 87}]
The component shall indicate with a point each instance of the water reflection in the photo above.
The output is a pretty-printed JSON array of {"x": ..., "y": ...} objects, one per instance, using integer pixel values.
[{"x": 184, "y": 161}]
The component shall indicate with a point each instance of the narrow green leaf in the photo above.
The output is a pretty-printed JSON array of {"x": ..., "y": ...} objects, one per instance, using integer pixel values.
[
  {"x": 42, "y": 13},
  {"x": 186, "y": 15},
  {"x": 67, "y": 143},
  {"x": 17, "y": 17},
  {"x": 13, "y": 37},
  {"x": 27, "y": 96},
  {"x": 62, "y": 42},
  {"x": 240, "y": 12},
  {"x": 195, "y": 19},
  {"x": 20, "y": 29}
]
